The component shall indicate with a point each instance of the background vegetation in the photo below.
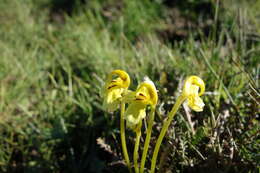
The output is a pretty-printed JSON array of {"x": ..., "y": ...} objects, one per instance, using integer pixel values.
[{"x": 55, "y": 54}]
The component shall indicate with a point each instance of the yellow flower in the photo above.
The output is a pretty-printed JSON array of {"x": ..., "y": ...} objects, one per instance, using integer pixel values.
[
  {"x": 194, "y": 87},
  {"x": 145, "y": 94},
  {"x": 117, "y": 83}
]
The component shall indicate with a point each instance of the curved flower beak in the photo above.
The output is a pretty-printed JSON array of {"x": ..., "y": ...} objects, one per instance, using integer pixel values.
[
  {"x": 194, "y": 87},
  {"x": 145, "y": 94},
  {"x": 118, "y": 81}
]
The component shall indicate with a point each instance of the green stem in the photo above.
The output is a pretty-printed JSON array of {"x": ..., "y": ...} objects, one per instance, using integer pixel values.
[
  {"x": 165, "y": 127},
  {"x": 147, "y": 139},
  {"x": 137, "y": 142},
  {"x": 122, "y": 132}
]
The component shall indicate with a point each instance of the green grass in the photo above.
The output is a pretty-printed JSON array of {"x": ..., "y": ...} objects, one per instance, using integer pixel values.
[{"x": 53, "y": 65}]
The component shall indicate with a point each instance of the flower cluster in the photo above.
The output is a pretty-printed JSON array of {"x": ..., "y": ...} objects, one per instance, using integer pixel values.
[{"x": 116, "y": 93}]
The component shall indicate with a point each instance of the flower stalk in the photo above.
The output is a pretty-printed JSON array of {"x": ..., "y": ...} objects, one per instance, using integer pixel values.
[
  {"x": 165, "y": 127},
  {"x": 123, "y": 140},
  {"x": 147, "y": 139},
  {"x": 145, "y": 95},
  {"x": 114, "y": 90},
  {"x": 191, "y": 93},
  {"x": 137, "y": 142}
]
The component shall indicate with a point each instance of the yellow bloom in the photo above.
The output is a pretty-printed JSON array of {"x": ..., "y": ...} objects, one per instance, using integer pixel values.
[
  {"x": 194, "y": 87},
  {"x": 145, "y": 94},
  {"x": 117, "y": 83}
]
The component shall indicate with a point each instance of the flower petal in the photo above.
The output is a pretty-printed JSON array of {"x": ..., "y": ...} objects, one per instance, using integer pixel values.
[
  {"x": 134, "y": 114},
  {"x": 192, "y": 86},
  {"x": 112, "y": 99},
  {"x": 147, "y": 93},
  {"x": 196, "y": 103}
]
